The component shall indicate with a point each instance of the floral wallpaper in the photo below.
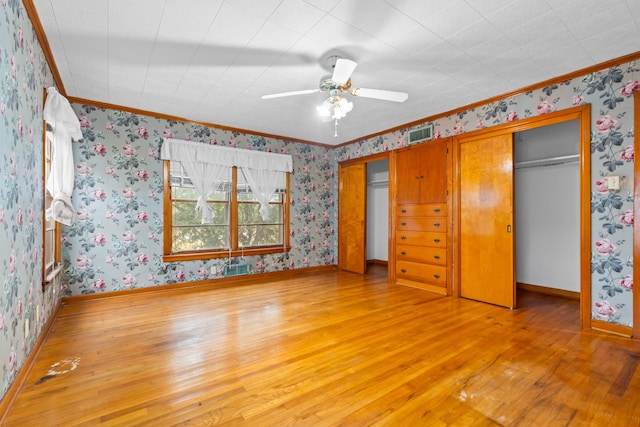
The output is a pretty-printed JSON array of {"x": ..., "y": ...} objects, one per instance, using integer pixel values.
[
  {"x": 115, "y": 242},
  {"x": 610, "y": 93},
  {"x": 24, "y": 307}
]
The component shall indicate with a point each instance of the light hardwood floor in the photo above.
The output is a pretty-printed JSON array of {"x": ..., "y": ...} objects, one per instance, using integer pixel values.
[{"x": 327, "y": 349}]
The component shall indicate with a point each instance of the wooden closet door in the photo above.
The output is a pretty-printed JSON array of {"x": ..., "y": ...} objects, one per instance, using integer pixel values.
[
  {"x": 352, "y": 211},
  {"x": 407, "y": 176},
  {"x": 486, "y": 220},
  {"x": 433, "y": 172}
]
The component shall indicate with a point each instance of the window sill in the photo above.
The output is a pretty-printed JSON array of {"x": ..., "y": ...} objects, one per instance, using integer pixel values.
[{"x": 194, "y": 256}]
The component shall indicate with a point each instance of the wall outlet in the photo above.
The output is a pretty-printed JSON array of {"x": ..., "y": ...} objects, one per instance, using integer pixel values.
[
  {"x": 613, "y": 182},
  {"x": 213, "y": 271},
  {"x": 26, "y": 328}
]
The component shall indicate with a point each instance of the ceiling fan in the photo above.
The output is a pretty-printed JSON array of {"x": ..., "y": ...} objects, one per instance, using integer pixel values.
[{"x": 336, "y": 107}]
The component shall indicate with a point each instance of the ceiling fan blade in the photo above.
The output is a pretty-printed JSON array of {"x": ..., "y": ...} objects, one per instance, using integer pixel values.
[
  {"x": 343, "y": 70},
  {"x": 386, "y": 95},
  {"x": 295, "y": 92}
]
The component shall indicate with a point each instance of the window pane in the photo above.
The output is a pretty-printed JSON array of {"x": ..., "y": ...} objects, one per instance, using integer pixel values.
[
  {"x": 184, "y": 213},
  {"x": 200, "y": 237},
  {"x": 260, "y": 235},
  {"x": 249, "y": 197},
  {"x": 249, "y": 213},
  {"x": 49, "y": 249},
  {"x": 186, "y": 193}
]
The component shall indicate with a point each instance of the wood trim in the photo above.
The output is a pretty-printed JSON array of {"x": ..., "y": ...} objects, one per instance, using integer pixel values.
[
  {"x": 611, "y": 328},
  {"x": 393, "y": 197},
  {"x": 18, "y": 381},
  {"x": 167, "y": 212},
  {"x": 559, "y": 79},
  {"x": 287, "y": 215},
  {"x": 377, "y": 262},
  {"x": 585, "y": 216},
  {"x": 366, "y": 159},
  {"x": 450, "y": 222},
  {"x": 636, "y": 214},
  {"x": 197, "y": 256},
  {"x": 196, "y": 286},
  {"x": 233, "y": 210},
  {"x": 44, "y": 44},
  {"x": 581, "y": 113},
  {"x": 548, "y": 291},
  {"x": 455, "y": 218}
]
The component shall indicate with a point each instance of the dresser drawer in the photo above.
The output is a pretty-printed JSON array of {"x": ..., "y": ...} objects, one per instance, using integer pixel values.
[
  {"x": 422, "y": 238},
  {"x": 422, "y": 224},
  {"x": 426, "y": 209},
  {"x": 433, "y": 274},
  {"x": 437, "y": 256}
]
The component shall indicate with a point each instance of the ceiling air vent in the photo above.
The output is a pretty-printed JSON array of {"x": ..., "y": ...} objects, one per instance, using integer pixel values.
[{"x": 423, "y": 134}]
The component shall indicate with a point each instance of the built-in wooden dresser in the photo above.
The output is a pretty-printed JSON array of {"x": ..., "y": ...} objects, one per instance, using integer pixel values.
[{"x": 422, "y": 238}]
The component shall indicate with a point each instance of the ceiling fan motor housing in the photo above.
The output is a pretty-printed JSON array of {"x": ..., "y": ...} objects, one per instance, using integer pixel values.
[{"x": 328, "y": 85}]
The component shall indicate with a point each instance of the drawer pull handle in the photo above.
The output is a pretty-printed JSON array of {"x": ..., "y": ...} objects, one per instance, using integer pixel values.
[
  {"x": 436, "y": 224},
  {"x": 403, "y": 224},
  {"x": 436, "y": 240},
  {"x": 403, "y": 270},
  {"x": 437, "y": 210},
  {"x": 403, "y": 237},
  {"x": 403, "y": 253},
  {"x": 437, "y": 276},
  {"x": 436, "y": 256},
  {"x": 403, "y": 211}
]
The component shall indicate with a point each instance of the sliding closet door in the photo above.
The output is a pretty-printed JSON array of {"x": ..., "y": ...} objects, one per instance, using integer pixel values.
[{"x": 486, "y": 235}]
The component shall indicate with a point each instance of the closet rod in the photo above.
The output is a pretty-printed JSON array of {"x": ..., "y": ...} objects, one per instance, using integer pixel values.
[{"x": 559, "y": 160}]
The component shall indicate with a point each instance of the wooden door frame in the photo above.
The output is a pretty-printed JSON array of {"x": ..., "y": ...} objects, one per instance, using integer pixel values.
[
  {"x": 366, "y": 159},
  {"x": 636, "y": 214},
  {"x": 583, "y": 115}
]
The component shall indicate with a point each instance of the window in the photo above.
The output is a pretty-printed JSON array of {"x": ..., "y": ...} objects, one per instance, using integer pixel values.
[
  {"x": 51, "y": 229},
  {"x": 232, "y": 221},
  {"x": 60, "y": 126}
]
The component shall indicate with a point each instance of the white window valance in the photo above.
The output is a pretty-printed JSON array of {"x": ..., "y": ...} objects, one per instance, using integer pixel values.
[
  {"x": 180, "y": 150},
  {"x": 204, "y": 164}
]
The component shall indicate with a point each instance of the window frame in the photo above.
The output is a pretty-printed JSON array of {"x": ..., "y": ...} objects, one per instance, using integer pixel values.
[
  {"x": 51, "y": 265},
  {"x": 236, "y": 250}
]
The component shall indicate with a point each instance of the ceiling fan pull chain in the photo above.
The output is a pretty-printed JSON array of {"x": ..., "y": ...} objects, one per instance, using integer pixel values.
[{"x": 335, "y": 127}]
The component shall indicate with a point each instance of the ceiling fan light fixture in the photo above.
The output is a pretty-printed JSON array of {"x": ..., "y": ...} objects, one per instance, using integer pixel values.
[
  {"x": 335, "y": 107},
  {"x": 325, "y": 109},
  {"x": 341, "y": 108}
]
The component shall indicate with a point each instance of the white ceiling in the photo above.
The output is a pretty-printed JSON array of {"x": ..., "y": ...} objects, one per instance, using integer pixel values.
[{"x": 211, "y": 60}]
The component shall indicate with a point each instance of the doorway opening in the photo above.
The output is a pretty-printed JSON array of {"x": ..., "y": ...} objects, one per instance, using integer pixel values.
[
  {"x": 377, "y": 246},
  {"x": 484, "y": 220},
  {"x": 547, "y": 209},
  {"x": 363, "y": 213}
]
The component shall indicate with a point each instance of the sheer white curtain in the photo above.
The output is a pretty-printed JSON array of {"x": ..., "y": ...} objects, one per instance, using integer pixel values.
[
  {"x": 59, "y": 114},
  {"x": 205, "y": 177},
  {"x": 263, "y": 184},
  {"x": 264, "y": 172}
]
